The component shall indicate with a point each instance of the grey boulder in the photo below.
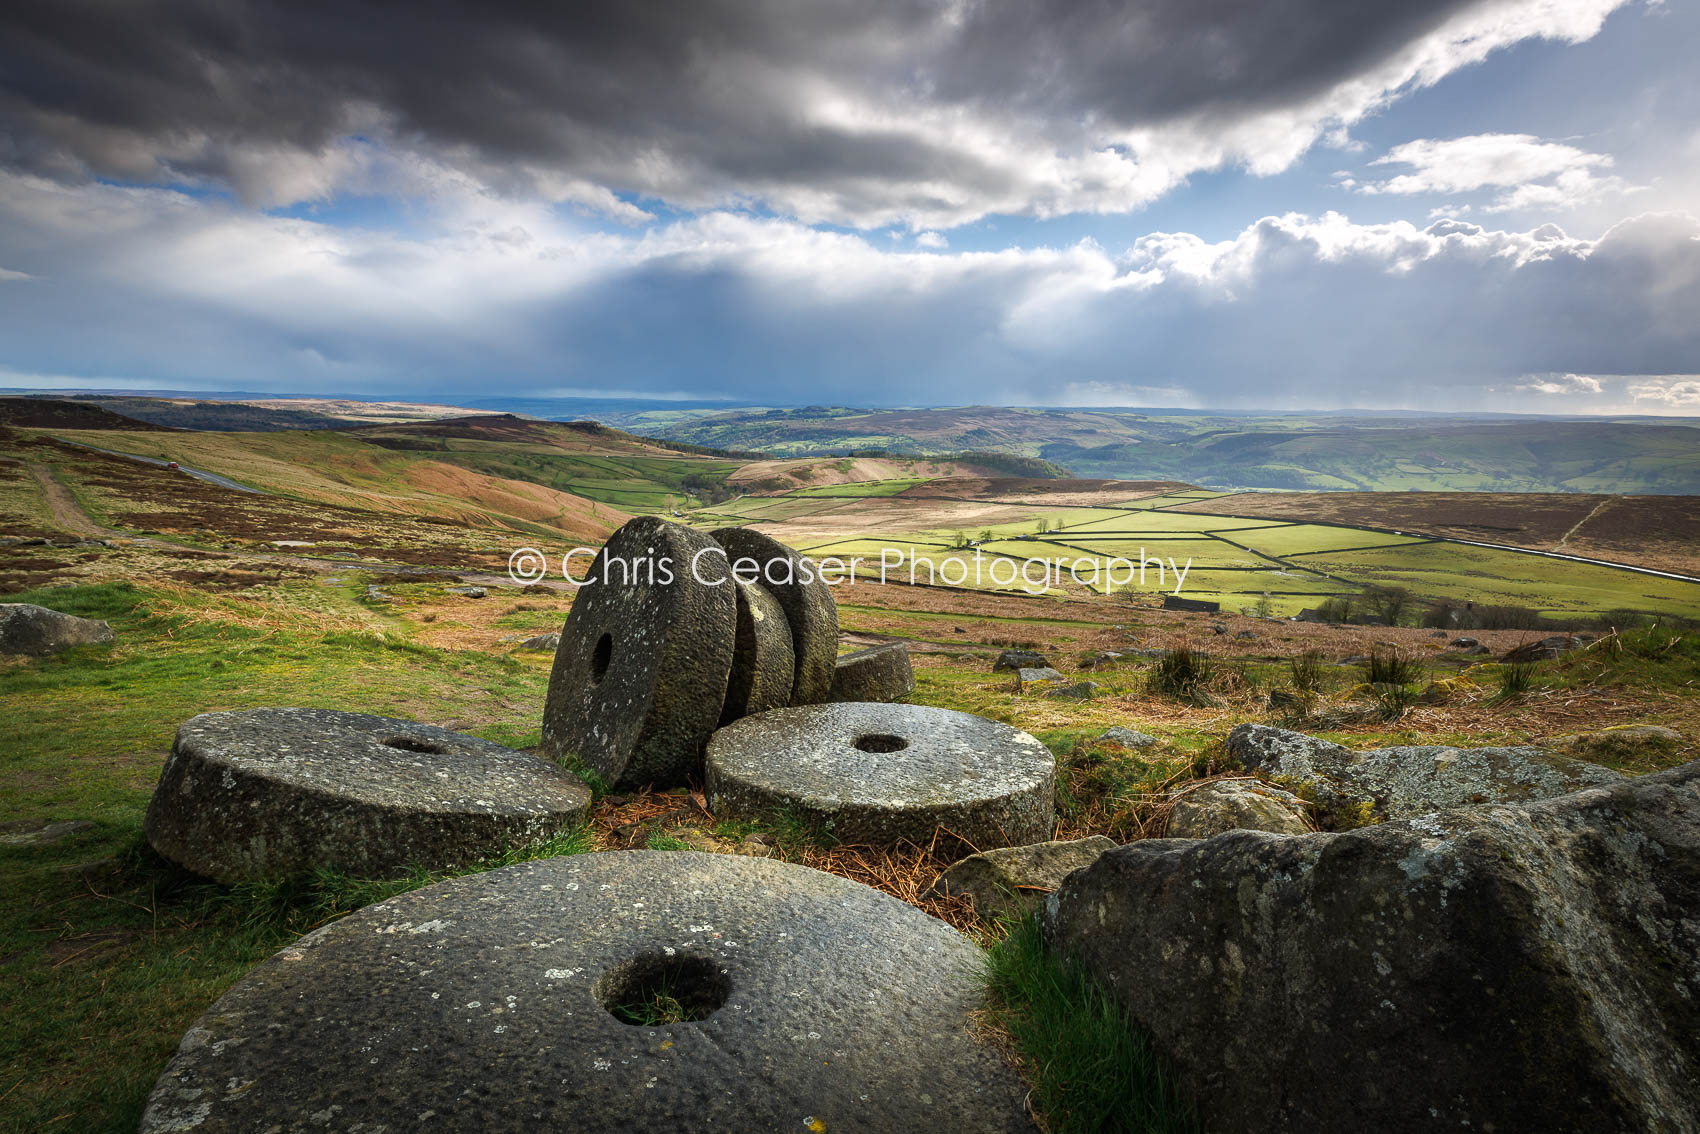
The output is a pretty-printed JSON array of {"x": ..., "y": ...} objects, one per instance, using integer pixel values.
[
  {"x": 1526, "y": 969},
  {"x": 1037, "y": 677},
  {"x": 1126, "y": 737},
  {"x": 1408, "y": 780},
  {"x": 1012, "y": 660},
  {"x": 878, "y": 673},
  {"x": 1227, "y": 805},
  {"x": 1013, "y": 881},
  {"x": 36, "y": 631}
]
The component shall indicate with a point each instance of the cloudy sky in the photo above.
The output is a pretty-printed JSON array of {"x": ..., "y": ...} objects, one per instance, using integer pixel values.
[{"x": 1435, "y": 204}]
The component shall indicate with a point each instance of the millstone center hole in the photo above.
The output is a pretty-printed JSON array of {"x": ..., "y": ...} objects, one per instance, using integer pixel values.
[
  {"x": 653, "y": 989},
  {"x": 600, "y": 657},
  {"x": 880, "y": 742},
  {"x": 414, "y": 744}
]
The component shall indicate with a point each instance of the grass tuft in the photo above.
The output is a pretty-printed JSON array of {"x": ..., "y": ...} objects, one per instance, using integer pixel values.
[
  {"x": 1392, "y": 669},
  {"x": 1184, "y": 674},
  {"x": 1091, "y": 1068}
]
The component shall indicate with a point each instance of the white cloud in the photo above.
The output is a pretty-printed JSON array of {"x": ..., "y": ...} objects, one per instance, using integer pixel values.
[
  {"x": 1516, "y": 163},
  {"x": 1670, "y": 390},
  {"x": 931, "y": 239},
  {"x": 9, "y": 274},
  {"x": 1559, "y": 384},
  {"x": 488, "y": 294}
]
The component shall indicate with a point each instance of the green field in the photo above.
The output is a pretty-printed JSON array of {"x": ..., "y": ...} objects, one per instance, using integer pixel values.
[
  {"x": 861, "y": 490},
  {"x": 1232, "y": 560}
]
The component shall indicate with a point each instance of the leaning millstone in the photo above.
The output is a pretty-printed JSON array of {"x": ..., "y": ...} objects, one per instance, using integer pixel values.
[
  {"x": 1012, "y": 881},
  {"x": 806, "y": 598},
  {"x": 1012, "y": 660},
  {"x": 1517, "y": 968},
  {"x": 1126, "y": 737},
  {"x": 878, "y": 673},
  {"x": 1034, "y": 678},
  {"x": 602, "y": 993},
  {"x": 870, "y": 773},
  {"x": 274, "y": 793},
  {"x": 641, "y": 672},
  {"x": 763, "y": 658},
  {"x": 1409, "y": 779},
  {"x": 37, "y": 632},
  {"x": 1227, "y": 805}
]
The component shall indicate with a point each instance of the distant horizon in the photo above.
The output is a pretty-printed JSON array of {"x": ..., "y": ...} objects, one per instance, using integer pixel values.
[{"x": 493, "y": 405}]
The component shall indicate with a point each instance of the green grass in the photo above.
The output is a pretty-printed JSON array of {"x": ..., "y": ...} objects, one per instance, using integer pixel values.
[
  {"x": 860, "y": 489},
  {"x": 109, "y": 953},
  {"x": 1093, "y": 1070}
]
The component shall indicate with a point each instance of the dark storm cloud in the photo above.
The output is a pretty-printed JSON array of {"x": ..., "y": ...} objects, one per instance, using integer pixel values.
[{"x": 856, "y": 111}]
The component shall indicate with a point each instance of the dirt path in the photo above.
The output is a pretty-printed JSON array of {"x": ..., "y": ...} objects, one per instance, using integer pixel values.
[
  {"x": 67, "y": 513},
  {"x": 1577, "y": 526}
]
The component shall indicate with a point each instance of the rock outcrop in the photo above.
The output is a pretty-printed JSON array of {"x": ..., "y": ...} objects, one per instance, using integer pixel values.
[
  {"x": 36, "y": 631},
  {"x": 1409, "y": 780},
  {"x": 878, "y": 673},
  {"x": 1013, "y": 881},
  {"x": 1227, "y": 805},
  {"x": 1516, "y": 968}
]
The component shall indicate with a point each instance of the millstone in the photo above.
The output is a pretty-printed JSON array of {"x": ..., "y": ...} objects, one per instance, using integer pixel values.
[
  {"x": 641, "y": 671},
  {"x": 271, "y": 793},
  {"x": 763, "y": 661},
  {"x": 879, "y": 773},
  {"x": 878, "y": 673},
  {"x": 807, "y": 601},
  {"x": 487, "y": 1003}
]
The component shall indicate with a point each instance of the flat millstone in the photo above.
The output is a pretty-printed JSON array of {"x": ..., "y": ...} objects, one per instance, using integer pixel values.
[
  {"x": 984, "y": 782},
  {"x": 878, "y": 673},
  {"x": 809, "y": 607},
  {"x": 272, "y": 793},
  {"x": 641, "y": 671},
  {"x": 480, "y": 1005},
  {"x": 763, "y": 661}
]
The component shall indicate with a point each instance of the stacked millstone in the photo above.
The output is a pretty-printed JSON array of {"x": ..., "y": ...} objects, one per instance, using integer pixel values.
[
  {"x": 273, "y": 793},
  {"x": 678, "y": 632},
  {"x": 631, "y": 990}
]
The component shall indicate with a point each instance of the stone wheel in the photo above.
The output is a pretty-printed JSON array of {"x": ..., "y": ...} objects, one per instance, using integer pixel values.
[
  {"x": 763, "y": 661},
  {"x": 641, "y": 671},
  {"x": 630, "y": 990},
  {"x": 807, "y": 601},
  {"x": 271, "y": 793},
  {"x": 879, "y": 773}
]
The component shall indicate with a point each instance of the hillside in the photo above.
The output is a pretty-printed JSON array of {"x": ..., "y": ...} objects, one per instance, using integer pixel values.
[
  {"x": 581, "y": 457},
  {"x": 336, "y": 469},
  {"x": 184, "y": 413},
  {"x": 1291, "y": 451},
  {"x": 67, "y": 413}
]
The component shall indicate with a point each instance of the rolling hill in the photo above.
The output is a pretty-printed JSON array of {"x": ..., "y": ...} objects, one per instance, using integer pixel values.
[{"x": 1383, "y": 452}]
